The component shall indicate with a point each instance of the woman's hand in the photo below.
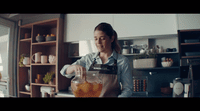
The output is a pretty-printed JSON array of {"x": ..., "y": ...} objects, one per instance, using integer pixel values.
[{"x": 77, "y": 69}]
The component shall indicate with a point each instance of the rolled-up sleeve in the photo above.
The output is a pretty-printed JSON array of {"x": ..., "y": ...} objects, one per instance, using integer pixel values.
[
  {"x": 126, "y": 80},
  {"x": 78, "y": 62}
]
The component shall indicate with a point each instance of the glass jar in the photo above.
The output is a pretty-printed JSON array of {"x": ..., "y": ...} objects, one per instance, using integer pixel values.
[
  {"x": 90, "y": 86},
  {"x": 125, "y": 49}
]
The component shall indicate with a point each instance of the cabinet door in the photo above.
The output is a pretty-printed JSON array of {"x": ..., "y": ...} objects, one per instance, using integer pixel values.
[
  {"x": 81, "y": 26},
  {"x": 188, "y": 21},
  {"x": 130, "y": 25}
]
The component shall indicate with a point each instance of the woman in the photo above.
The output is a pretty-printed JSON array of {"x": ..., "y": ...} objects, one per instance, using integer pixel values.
[{"x": 108, "y": 56}]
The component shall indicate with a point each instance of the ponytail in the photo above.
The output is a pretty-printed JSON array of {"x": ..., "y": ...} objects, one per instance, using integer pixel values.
[{"x": 115, "y": 45}]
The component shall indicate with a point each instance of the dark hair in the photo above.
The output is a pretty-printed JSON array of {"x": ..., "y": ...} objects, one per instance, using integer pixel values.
[{"x": 108, "y": 30}]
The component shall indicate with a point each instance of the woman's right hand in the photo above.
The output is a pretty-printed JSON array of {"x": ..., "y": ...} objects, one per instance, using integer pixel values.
[{"x": 77, "y": 69}]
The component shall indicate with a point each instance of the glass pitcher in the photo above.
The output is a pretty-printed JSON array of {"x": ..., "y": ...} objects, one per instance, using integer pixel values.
[{"x": 90, "y": 86}]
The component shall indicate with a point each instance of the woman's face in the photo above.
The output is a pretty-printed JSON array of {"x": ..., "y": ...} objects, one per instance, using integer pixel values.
[{"x": 102, "y": 41}]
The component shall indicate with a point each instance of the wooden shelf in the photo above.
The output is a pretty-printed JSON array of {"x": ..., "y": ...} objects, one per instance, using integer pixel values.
[
  {"x": 45, "y": 43},
  {"x": 130, "y": 54},
  {"x": 25, "y": 92},
  {"x": 75, "y": 56},
  {"x": 39, "y": 64},
  {"x": 190, "y": 30},
  {"x": 26, "y": 40},
  {"x": 39, "y": 84},
  {"x": 26, "y": 66},
  {"x": 168, "y": 53},
  {"x": 157, "y": 68},
  {"x": 197, "y": 43},
  {"x": 157, "y": 53},
  {"x": 188, "y": 57}
]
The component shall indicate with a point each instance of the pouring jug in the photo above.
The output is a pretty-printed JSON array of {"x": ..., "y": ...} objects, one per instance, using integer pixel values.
[{"x": 37, "y": 57}]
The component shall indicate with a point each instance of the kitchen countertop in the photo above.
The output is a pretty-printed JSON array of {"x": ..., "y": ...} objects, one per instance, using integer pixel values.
[
  {"x": 64, "y": 93},
  {"x": 150, "y": 95},
  {"x": 153, "y": 95}
]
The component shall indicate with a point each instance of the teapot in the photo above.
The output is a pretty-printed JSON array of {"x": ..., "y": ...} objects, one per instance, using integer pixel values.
[{"x": 37, "y": 57}]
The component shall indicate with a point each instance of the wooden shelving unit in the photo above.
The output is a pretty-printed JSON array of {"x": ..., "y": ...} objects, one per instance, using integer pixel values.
[
  {"x": 190, "y": 48},
  {"x": 30, "y": 46}
]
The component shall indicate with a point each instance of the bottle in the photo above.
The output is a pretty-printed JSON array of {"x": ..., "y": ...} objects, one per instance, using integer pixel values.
[
  {"x": 90, "y": 86},
  {"x": 125, "y": 49}
]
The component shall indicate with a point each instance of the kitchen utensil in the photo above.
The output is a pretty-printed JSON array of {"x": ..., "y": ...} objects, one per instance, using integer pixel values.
[
  {"x": 167, "y": 64},
  {"x": 27, "y": 35},
  {"x": 51, "y": 38},
  {"x": 43, "y": 59},
  {"x": 144, "y": 46},
  {"x": 125, "y": 49},
  {"x": 40, "y": 38},
  {"x": 27, "y": 87},
  {"x": 163, "y": 58},
  {"x": 37, "y": 57},
  {"x": 171, "y": 50},
  {"x": 39, "y": 76},
  {"x": 91, "y": 86},
  {"x": 178, "y": 87},
  {"x": 160, "y": 50},
  {"x": 142, "y": 51},
  {"x": 125, "y": 42},
  {"x": 52, "y": 59},
  {"x": 26, "y": 60}
]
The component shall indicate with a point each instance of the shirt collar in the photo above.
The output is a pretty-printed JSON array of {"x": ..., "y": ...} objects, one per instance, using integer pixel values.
[{"x": 114, "y": 55}]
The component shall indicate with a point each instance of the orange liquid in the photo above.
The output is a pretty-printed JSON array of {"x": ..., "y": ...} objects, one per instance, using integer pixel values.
[{"x": 88, "y": 90}]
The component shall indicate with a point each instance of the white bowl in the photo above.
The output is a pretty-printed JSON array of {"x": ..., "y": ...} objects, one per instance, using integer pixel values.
[
  {"x": 166, "y": 64},
  {"x": 27, "y": 87}
]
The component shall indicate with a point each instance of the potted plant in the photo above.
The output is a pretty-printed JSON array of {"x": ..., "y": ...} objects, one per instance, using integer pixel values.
[
  {"x": 145, "y": 60},
  {"x": 49, "y": 78}
]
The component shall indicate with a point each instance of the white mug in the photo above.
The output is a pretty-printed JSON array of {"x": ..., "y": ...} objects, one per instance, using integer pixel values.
[
  {"x": 26, "y": 61},
  {"x": 43, "y": 59}
]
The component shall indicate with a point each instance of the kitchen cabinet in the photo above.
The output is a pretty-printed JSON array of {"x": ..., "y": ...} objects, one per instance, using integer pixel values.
[
  {"x": 81, "y": 26},
  {"x": 131, "y": 25},
  {"x": 188, "y": 21}
]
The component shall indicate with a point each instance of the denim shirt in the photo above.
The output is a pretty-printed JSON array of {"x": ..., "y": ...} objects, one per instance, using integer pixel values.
[{"x": 124, "y": 73}]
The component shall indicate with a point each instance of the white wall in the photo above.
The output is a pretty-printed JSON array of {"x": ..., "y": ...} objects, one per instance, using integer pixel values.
[{"x": 188, "y": 21}]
